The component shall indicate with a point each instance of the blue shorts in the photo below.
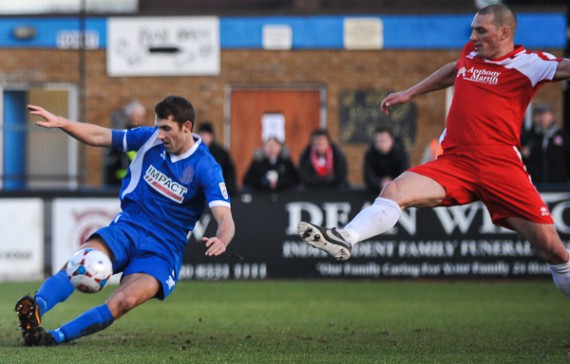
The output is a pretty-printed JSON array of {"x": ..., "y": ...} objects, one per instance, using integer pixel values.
[{"x": 137, "y": 249}]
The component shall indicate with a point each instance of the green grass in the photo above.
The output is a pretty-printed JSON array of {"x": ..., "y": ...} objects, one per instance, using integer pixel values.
[{"x": 314, "y": 322}]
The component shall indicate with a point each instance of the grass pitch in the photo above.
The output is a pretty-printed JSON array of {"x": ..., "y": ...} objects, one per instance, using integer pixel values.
[{"x": 314, "y": 322}]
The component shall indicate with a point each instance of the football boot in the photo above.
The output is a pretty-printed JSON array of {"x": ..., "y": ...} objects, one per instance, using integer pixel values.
[
  {"x": 328, "y": 240},
  {"x": 28, "y": 313}
]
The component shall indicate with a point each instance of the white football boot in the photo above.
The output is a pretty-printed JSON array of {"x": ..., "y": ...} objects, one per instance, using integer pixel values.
[{"x": 328, "y": 240}]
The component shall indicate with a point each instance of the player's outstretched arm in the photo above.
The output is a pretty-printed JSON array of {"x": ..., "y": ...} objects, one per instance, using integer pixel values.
[
  {"x": 90, "y": 134},
  {"x": 440, "y": 79},
  {"x": 226, "y": 229},
  {"x": 563, "y": 70}
]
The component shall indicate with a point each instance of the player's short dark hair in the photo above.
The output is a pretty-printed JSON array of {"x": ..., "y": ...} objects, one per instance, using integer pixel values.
[
  {"x": 502, "y": 15},
  {"x": 178, "y": 107}
]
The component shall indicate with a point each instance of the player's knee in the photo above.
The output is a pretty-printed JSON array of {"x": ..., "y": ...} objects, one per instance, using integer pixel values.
[
  {"x": 120, "y": 304},
  {"x": 553, "y": 253},
  {"x": 390, "y": 191}
]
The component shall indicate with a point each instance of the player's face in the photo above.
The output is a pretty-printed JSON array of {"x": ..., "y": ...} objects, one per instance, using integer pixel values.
[
  {"x": 177, "y": 140},
  {"x": 486, "y": 36}
]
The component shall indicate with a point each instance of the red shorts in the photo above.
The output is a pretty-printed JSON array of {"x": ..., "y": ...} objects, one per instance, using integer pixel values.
[{"x": 494, "y": 175}]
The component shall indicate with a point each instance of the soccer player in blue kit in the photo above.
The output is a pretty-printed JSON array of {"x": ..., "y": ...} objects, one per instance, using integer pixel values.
[{"x": 165, "y": 191}]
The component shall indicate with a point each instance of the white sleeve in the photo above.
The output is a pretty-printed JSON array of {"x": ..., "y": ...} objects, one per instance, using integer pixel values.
[{"x": 536, "y": 66}]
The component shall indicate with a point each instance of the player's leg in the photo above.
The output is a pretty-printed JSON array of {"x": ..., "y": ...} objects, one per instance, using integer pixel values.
[
  {"x": 409, "y": 189},
  {"x": 30, "y": 310},
  {"x": 513, "y": 201},
  {"x": 545, "y": 239},
  {"x": 58, "y": 288},
  {"x": 134, "y": 290},
  {"x": 53, "y": 290}
]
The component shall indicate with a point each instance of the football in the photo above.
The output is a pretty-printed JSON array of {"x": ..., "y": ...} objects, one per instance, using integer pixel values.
[{"x": 89, "y": 270}]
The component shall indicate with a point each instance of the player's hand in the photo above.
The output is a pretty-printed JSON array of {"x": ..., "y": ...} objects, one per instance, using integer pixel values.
[
  {"x": 394, "y": 99},
  {"x": 215, "y": 246},
  {"x": 49, "y": 120}
]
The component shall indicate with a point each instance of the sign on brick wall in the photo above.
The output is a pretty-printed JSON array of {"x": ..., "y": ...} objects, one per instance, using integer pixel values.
[
  {"x": 172, "y": 46},
  {"x": 360, "y": 114}
]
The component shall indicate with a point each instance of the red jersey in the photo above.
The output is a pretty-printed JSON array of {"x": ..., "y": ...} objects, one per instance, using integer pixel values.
[{"x": 491, "y": 96}]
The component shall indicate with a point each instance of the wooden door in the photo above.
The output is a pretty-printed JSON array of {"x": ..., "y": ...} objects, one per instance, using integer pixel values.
[{"x": 303, "y": 113}]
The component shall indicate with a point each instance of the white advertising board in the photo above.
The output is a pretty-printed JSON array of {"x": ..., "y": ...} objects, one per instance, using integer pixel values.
[
  {"x": 166, "y": 46},
  {"x": 22, "y": 232},
  {"x": 74, "y": 220}
]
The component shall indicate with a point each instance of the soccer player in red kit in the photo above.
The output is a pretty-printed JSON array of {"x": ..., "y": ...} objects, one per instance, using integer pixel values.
[{"x": 494, "y": 80}]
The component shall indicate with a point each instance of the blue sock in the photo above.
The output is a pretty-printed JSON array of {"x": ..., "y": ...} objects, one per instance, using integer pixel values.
[
  {"x": 96, "y": 319},
  {"x": 54, "y": 290}
]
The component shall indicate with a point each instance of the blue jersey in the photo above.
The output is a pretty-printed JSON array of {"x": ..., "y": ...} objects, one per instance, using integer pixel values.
[{"x": 169, "y": 191}]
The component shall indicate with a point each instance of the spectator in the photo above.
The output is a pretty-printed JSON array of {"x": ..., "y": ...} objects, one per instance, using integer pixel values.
[
  {"x": 385, "y": 160},
  {"x": 322, "y": 163},
  {"x": 221, "y": 155},
  {"x": 271, "y": 168},
  {"x": 117, "y": 162},
  {"x": 545, "y": 149}
]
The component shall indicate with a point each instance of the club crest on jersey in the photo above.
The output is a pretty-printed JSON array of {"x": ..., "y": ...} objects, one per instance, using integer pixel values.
[
  {"x": 474, "y": 74},
  {"x": 472, "y": 55},
  {"x": 164, "y": 184},
  {"x": 187, "y": 175}
]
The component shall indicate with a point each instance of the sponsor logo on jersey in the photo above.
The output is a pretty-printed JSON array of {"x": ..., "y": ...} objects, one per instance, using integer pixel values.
[
  {"x": 479, "y": 75},
  {"x": 164, "y": 184}
]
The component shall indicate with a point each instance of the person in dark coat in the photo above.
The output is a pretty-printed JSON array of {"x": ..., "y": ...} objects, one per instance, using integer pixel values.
[
  {"x": 323, "y": 164},
  {"x": 271, "y": 168},
  {"x": 385, "y": 160},
  {"x": 545, "y": 149},
  {"x": 221, "y": 155}
]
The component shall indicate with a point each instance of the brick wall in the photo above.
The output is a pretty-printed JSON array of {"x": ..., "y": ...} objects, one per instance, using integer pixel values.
[{"x": 337, "y": 71}]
